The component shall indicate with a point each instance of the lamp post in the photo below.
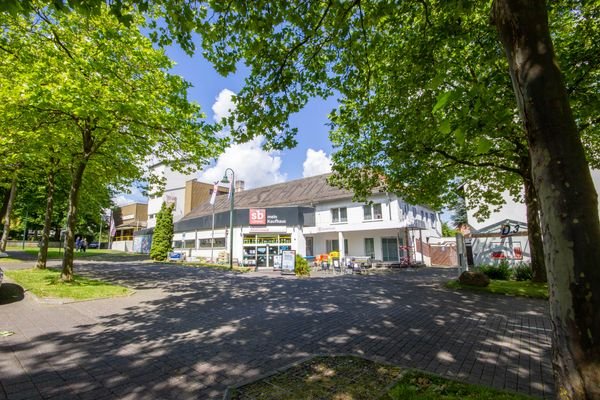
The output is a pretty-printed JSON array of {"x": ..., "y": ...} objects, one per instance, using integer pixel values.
[{"x": 231, "y": 183}]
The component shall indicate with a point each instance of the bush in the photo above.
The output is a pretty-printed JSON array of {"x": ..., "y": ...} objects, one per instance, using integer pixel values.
[
  {"x": 302, "y": 267},
  {"x": 501, "y": 273},
  {"x": 162, "y": 239},
  {"x": 523, "y": 272}
]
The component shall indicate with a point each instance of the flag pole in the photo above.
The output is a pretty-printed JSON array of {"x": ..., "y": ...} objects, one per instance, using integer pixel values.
[{"x": 212, "y": 237}]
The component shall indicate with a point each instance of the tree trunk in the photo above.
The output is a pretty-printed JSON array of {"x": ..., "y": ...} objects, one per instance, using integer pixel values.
[
  {"x": 11, "y": 200},
  {"x": 67, "y": 262},
  {"x": 534, "y": 228},
  {"x": 43, "y": 253},
  {"x": 566, "y": 194}
]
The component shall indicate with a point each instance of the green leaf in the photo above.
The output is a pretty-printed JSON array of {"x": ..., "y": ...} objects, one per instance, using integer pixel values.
[
  {"x": 445, "y": 127},
  {"x": 442, "y": 100},
  {"x": 483, "y": 145},
  {"x": 459, "y": 136}
]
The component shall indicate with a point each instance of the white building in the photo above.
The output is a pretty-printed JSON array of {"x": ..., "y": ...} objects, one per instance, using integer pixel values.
[
  {"x": 173, "y": 192},
  {"x": 311, "y": 217}
]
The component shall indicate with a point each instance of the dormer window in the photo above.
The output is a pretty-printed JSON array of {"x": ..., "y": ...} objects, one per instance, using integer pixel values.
[{"x": 372, "y": 212}]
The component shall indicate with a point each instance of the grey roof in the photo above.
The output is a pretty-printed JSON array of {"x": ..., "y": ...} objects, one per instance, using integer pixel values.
[{"x": 300, "y": 192}]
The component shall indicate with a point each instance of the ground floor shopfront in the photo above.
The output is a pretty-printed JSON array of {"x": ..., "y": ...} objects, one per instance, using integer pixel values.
[{"x": 263, "y": 247}]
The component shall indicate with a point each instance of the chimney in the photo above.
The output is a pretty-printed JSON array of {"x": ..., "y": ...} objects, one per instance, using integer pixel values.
[{"x": 239, "y": 186}]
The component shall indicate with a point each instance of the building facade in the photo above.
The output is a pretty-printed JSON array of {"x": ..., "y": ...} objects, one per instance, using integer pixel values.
[
  {"x": 181, "y": 190},
  {"x": 310, "y": 217},
  {"x": 128, "y": 219}
]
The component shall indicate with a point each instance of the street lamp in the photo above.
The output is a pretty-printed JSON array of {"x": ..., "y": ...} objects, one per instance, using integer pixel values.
[{"x": 231, "y": 195}]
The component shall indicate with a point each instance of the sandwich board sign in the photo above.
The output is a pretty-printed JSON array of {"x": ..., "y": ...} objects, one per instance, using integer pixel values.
[{"x": 288, "y": 261}]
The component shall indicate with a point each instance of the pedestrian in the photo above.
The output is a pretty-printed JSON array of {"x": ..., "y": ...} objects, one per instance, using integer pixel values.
[
  {"x": 78, "y": 244},
  {"x": 84, "y": 244}
]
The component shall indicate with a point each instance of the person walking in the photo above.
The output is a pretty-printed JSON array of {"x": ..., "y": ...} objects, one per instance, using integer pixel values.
[
  {"x": 78, "y": 244},
  {"x": 84, "y": 245}
]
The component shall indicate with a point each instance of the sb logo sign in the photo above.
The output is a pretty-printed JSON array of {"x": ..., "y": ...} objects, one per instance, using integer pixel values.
[{"x": 258, "y": 216}]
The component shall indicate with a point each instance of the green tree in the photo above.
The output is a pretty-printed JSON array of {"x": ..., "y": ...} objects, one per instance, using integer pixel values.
[
  {"x": 106, "y": 91},
  {"x": 447, "y": 231},
  {"x": 297, "y": 50},
  {"x": 162, "y": 238}
]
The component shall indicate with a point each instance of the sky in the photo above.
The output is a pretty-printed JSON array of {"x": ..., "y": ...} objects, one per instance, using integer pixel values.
[{"x": 251, "y": 164}]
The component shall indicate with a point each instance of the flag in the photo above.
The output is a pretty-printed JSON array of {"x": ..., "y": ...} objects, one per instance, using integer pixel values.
[
  {"x": 113, "y": 228},
  {"x": 214, "y": 193},
  {"x": 230, "y": 189}
]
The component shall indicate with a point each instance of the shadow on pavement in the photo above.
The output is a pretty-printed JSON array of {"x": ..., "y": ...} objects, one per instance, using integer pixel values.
[{"x": 214, "y": 329}]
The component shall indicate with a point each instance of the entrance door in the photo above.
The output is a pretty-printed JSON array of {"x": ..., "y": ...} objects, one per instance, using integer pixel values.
[
  {"x": 273, "y": 251},
  {"x": 389, "y": 249},
  {"x": 261, "y": 256}
]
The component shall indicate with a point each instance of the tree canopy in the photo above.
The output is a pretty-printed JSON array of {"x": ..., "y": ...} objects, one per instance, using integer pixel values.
[{"x": 100, "y": 98}]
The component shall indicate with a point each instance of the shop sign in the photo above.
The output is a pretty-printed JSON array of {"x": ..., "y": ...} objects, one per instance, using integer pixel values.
[
  {"x": 258, "y": 216},
  {"x": 272, "y": 219},
  {"x": 508, "y": 229}
]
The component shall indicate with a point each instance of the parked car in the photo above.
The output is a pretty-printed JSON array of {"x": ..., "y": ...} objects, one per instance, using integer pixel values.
[{"x": 94, "y": 245}]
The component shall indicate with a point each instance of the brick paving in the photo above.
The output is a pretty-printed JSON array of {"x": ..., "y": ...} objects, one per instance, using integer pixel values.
[{"x": 191, "y": 332}]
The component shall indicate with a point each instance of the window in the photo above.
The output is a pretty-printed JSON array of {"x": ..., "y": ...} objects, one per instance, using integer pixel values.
[
  {"x": 433, "y": 220},
  {"x": 370, "y": 247},
  {"x": 334, "y": 245},
  {"x": 205, "y": 243},
  {"x": 339, "y": 215},
  {"x": 190, "y": 244},
  {"x": 309, "y": 246},
  {"x": 372, "y": 212},
  {"x": 152, "y": 216}
]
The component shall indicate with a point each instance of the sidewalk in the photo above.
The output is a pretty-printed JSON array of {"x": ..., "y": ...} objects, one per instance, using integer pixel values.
[{"x": 191, "y": 332}]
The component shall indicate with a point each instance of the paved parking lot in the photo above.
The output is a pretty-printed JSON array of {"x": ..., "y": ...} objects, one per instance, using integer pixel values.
[{"x": 191, "y": 332}]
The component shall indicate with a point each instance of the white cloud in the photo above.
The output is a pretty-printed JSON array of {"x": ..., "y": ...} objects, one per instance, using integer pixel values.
[
  {"x": 223, "y": 105},
  {"x": 316, "y": 163},
  {"x": 133, "y": 196},
  {"x": 250, "y": 163}
]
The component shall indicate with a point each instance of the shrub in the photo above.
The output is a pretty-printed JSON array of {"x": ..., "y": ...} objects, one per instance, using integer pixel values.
[
  {"x": 302, "y": 267},
  {"x": 523, "y": 272},
  {"x": 502, "y": 272},
  {"x": 162, "y": 239}
]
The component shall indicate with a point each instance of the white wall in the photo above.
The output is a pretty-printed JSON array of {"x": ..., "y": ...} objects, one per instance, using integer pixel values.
[{"x": 174, "y": 187}]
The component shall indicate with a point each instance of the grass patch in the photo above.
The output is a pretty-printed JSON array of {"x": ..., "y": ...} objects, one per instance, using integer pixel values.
[
  {"x": 353, "y": 378},
  {"x": 511, "y": 288},
  {"x": 324, "y": 378},
  {"x": 54, "y": 253},
  {"x": 46, "y": 283},
  {"x": 421, "y": 386},
  {"x": 221, "y": 267}
]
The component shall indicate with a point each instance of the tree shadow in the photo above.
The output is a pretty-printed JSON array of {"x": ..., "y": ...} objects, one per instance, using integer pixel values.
[{"x": 211, "y": 329}]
